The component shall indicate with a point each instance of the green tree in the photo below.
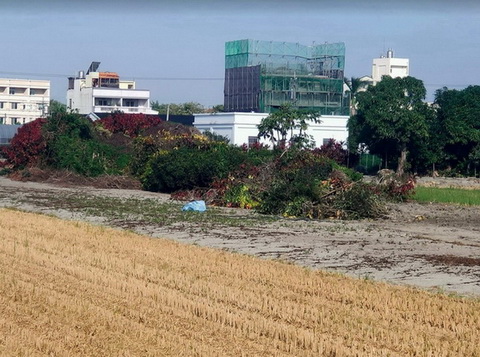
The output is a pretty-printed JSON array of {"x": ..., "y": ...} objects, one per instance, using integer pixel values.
[
  {"x": 56, "y": 107},
  {"x": 188, "y": 108},
  {"x": 391, "y": 117},
  {"x": 424, "y": 155},
  {"x": 219, "y": 108},
  {"x": 458, "y": 113},
  {"x": 192, "y": 108},
  {"x": 287, "y": 122}
]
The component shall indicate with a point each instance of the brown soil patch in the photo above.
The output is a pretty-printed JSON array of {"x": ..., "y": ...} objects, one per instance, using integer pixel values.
[{"x": 452, "y": 260}]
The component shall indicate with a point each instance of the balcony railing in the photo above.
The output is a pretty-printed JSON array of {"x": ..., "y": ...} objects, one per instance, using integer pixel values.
[{"x": 109, "y": 109}]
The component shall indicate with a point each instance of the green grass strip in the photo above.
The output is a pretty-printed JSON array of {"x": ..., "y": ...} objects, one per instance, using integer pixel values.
[{"x": 447, "y": 195}]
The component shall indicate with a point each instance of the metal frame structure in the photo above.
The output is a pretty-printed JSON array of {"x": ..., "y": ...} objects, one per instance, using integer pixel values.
[{"x": 262, "y": 75}]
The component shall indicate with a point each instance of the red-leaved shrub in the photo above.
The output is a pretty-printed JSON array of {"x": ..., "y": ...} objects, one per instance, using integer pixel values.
[
  {"x": 128, "y": 124},
  {"x": 333, "y": 150},
  {"x": 27, "y": 145}
]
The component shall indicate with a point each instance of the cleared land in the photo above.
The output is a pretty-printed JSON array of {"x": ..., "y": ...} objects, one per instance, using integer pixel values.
[
  {"x": 69, "y": 288},
  {"x": 433, "y": 246}
]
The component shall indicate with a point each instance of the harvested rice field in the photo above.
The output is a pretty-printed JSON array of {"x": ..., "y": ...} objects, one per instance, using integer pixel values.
[{"x": 74, "y": 289}]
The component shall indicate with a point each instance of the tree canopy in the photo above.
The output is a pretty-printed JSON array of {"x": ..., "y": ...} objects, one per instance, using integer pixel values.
[
  {"x": 188, "y": 108},
  {"x": 458, "y": 125},
  {"x": 56, "y": 107},
  {"x": 287, "y": 122},
  {"x": 391, "y": 118}
]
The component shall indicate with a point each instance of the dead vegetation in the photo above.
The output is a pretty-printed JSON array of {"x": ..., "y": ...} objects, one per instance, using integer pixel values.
[
  {"x": 67, "y": 178},
  {"x": 73, "y": 289}
]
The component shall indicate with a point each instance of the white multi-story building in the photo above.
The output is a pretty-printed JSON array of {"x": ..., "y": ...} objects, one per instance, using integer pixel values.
[
  {"x": 104, "y": 92},
  {"x": 389, "y": 66},
  {"x": 23, "y": 100}
]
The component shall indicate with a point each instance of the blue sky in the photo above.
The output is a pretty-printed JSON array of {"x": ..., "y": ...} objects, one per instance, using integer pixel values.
[{"x": 176, "y": 49}]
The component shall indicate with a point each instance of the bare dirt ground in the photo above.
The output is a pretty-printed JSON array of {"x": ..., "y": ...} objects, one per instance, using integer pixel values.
[{"x": 432, "y": 246}]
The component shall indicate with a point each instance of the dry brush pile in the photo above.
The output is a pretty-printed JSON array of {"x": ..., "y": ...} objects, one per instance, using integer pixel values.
[{"x": 73, "y": 289}]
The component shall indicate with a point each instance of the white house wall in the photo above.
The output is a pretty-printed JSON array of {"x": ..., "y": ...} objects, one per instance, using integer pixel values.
[
  {"x": 238, "y": 127},
  {"x": 330, "y": 127},
  {"x": 85, "y": 105}
]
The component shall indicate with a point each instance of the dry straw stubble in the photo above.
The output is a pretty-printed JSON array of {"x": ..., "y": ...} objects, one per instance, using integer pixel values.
[{"x": 69, "y": 288}]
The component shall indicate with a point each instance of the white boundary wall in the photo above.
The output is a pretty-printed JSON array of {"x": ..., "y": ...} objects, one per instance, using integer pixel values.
[{"x": 238, "y": 127}]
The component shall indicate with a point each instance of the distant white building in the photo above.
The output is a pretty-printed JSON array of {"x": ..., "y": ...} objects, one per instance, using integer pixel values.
[
  {"x": 389, "y": 66},
  {"x": 384, "y": 66},
  {"x": 23, "y": 100},
  {"x": 104, "y": 92},
  {"x": 242, "y": 128},
  {"x": 365, "y": 81}
]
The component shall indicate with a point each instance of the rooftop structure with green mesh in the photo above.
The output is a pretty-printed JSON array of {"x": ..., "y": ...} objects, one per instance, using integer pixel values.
[{"x": 260, "y": 76}]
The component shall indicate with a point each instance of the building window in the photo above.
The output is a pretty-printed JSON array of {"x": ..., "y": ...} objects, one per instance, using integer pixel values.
[
  {"x": 12, "y": 90},
  {"x": 103, "y": 102},
  {"x": 1, "y": 105},
  {"x": 38, "y": 91},
  {"x": 252, "y": 140},
  {"x": 14, "y": 105},
  {"x": 130, "y": 103},
  {"x": 107, "y": 102},
  {"x": 327, "y": 141},
  {"x": 109, "y": 82}
]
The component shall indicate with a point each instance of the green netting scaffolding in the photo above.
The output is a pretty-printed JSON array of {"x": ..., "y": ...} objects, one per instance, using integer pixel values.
[{"x": 262, "y": 75}]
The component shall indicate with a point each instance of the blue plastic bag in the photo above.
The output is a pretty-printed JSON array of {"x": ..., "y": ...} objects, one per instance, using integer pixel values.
[{"x": 198, "y": 206}]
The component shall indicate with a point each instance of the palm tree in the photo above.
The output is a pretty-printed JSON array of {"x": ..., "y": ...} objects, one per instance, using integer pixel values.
[{"x": 355, "y": 86}]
